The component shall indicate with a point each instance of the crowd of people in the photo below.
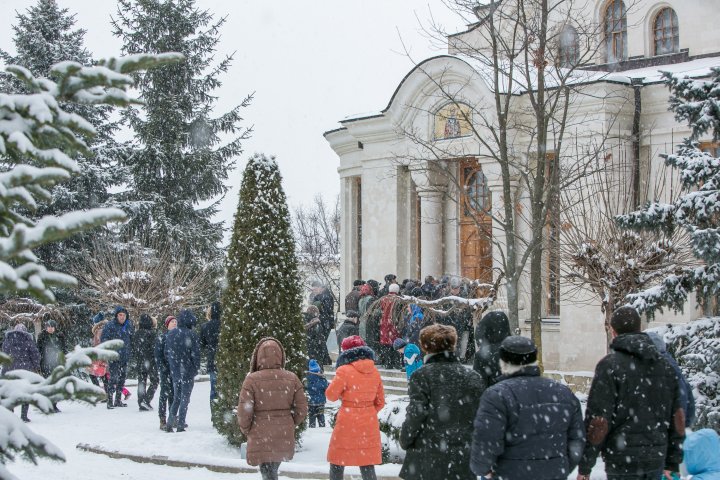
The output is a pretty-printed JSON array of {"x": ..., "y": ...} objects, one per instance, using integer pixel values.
[{"x": 501, "y": 419}]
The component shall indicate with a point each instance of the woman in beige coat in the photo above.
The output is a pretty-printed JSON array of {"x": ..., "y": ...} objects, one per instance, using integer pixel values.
[{"x": 272, "y": 402}]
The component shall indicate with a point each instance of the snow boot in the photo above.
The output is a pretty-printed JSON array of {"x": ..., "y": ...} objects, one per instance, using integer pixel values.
[
  {"x": 163, "y": 424},
  {"x": 110, "y": 404},
  {"x": 147, "y": 405},
  {"x": 143, "y": 407},
  {"x": 55, "y": 408},
  {"x": 25, "y": 419},
  {"x": 118, "y": 401}
]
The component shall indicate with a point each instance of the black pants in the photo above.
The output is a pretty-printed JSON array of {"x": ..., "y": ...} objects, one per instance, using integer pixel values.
[
  {"x": 118, "y": 371},
  {"x": 146, "y": 393},
  {"x": 166, "y": 394},
  {"x": 367, "y": 472},
  {"x": 96, "y": 381},
  {"x": 24, "y": 409},
  {"x": 316, "y": 412},
  {"x": 269, "y": 471}
]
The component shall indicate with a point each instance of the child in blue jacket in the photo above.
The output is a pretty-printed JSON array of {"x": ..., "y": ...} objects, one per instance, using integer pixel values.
[
  {"x": 411, "y": 355},
  {"x": 702, "y": 454},
  {"x": 316, "y": 385}
]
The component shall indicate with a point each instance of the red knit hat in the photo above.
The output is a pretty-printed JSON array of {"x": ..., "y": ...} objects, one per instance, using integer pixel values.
[
  {"x": 169, "y": 319},
  {"x": 352, "y": 342}
]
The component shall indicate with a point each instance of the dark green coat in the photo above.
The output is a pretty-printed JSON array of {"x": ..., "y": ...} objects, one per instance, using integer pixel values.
[{"x": 438, "y": 428}]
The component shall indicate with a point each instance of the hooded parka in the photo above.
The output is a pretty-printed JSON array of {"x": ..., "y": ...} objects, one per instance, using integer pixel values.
[
  {"x": 492, "y": 329},
  {"x": 356, "y": 437},
  {"x": 272, "y": 402}
]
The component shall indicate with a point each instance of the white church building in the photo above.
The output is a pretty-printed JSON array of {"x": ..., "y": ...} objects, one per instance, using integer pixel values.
[{"x": 415, "y": 174}]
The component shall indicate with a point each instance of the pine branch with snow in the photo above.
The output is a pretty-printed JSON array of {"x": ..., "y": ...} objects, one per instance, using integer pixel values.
[
  {"x": 34, "y": 128},
  {"x": 697, "y": 209},
  {"x": 19, "y": 387}
]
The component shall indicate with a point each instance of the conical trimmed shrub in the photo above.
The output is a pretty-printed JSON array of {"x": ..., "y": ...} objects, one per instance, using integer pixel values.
[{"x": 263, "y": 294}]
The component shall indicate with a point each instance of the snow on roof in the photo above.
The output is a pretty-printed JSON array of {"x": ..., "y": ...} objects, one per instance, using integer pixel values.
[{"x": 700, "y": 67}]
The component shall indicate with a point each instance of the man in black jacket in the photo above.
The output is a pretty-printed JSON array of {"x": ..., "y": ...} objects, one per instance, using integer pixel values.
[
  {"x": 144, "y": 356},
  {"x": 209, "y": 335},
  {"x": 634, "y": 416},
  {"x": 527, "y": 426}
]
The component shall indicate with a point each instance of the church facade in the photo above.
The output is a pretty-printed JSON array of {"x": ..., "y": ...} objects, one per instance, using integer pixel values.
[{"x": 422, "y": 190}]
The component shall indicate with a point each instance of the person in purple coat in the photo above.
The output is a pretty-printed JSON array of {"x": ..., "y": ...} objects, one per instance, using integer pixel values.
[{"x": 23, "y": 351}]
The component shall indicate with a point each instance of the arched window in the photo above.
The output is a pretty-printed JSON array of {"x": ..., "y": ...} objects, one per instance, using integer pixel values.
[
  {"x": 616, "y": 31},
  {"x": 476, "y": 190},
  {"x": 666, "y": 32},
  {"x": 569, "y": 53}
]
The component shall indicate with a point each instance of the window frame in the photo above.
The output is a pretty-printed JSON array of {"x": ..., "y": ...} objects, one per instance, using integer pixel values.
[
  {"x": 615, "y": 37},
  {"x": 673, "y": 28}
]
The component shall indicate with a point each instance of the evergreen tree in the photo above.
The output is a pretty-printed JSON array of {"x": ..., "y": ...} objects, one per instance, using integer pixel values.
[
  {"x": 263, "y": 295},
  {"x": 179, "y": 161},
  {"x": 43, "y": 36},
  {"x": 697, "y": 207}
]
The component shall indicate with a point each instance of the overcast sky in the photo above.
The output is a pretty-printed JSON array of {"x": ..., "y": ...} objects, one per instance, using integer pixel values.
[{"x": 309, "y": 63}]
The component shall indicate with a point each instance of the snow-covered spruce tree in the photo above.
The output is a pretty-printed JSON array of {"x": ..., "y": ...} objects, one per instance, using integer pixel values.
[
  {"x": 697, "y": 207},
  {"x": 43, "y": 36},
  {"x": 263, "y": 294},
  {"x": 34, "y": 128},
  {"x": 179, "y": 160},
  {"x": 696, "y": 210}
]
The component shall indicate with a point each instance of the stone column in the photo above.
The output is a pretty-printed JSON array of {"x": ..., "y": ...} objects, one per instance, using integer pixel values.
[{"x": 431, "y": 232}]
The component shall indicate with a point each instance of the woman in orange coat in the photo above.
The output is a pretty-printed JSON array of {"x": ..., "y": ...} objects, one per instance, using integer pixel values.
[{"x": 356, "y": 437}]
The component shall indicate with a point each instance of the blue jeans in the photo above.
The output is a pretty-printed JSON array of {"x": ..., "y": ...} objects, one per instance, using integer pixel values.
[
  {"x": 182, "y": 388},
  {"x": 213, "y": 381}
]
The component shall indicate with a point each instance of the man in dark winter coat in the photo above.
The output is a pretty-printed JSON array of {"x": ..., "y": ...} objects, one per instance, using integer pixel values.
[
  {"x": 51, "y": 345},
  {"x": 23, "y": 351},
  {"x": 144, "y": 356},
  {"x": 349, "y": 327},
  {"x": 166, "y": 386},
  {"x": 325, "y": 303},
  {"x": 444, "y": 396},
  {"x": 352, "y": 298},
  {"x": 634, "y": 416},
  {"x": 527, "y": 426},
  {"x": 492, "y": 329},
  {"x": 120, "y": 328},
  {"x": 687, "y": 399},
  {"x": 182, "y": 350},
  {"x": 209, "y": 336}
]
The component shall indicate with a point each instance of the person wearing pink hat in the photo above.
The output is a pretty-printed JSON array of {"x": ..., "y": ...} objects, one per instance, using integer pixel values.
[{"x": 355, "y": 439}]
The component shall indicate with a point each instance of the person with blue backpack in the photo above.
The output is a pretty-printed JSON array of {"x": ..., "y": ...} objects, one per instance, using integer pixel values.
[{"x": 316, "y": 385}]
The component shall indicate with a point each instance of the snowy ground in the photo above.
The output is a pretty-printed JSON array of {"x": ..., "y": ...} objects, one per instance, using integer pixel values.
[{"x": 134, "y": 432}]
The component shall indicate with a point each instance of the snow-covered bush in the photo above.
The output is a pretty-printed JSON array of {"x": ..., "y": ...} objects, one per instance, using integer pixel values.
[
  {"x": 696, "y": 346},
  {"x": 263, "y": 296}
]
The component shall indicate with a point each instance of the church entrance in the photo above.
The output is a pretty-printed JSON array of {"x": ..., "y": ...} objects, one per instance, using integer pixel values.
[{"x": 475, "y": 223}]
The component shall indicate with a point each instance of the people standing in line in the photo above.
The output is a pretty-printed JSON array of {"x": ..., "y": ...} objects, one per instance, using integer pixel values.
[
  {"x": 355, "y": 439},
  {"x": 527, "y": 426},
  {"x": 350, "y": 326},
  {"x": 459, "y": 317},
  {"x": 144, "y": 357},
  {"x": 166, "y": 385},
  {"x": 209, "y": 337},
  {"x": 412, "y": 359},
  {"x": 429, "y": 286},
  {"x": 182, "y": 350},
  {"x": 687, "y": 399},
  {"x": 353, "y": 297},
  {"x": 388, "y": 329},
  {"x": 98, "y": 369},
  {"x": 492, "y": 329},
  {"x": 702, "y": 454},
  {"x": 634, "y": 416},
  {"x": 24, "y": 355},
  {"x": 272, "y": 403},
  {"x": 51, "y": 345},
  {"x": 414, "y": 319},
  {"x": 444, "y": 396},
  {"x": 315, "y": 335},
  {"x": 390, "y": 279},
  {"x": 366, "y": 299},
  {"x": 316, "y": 386},
  {"x": 325, "y": 303},
  {"x": 120, "y": 328}
]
